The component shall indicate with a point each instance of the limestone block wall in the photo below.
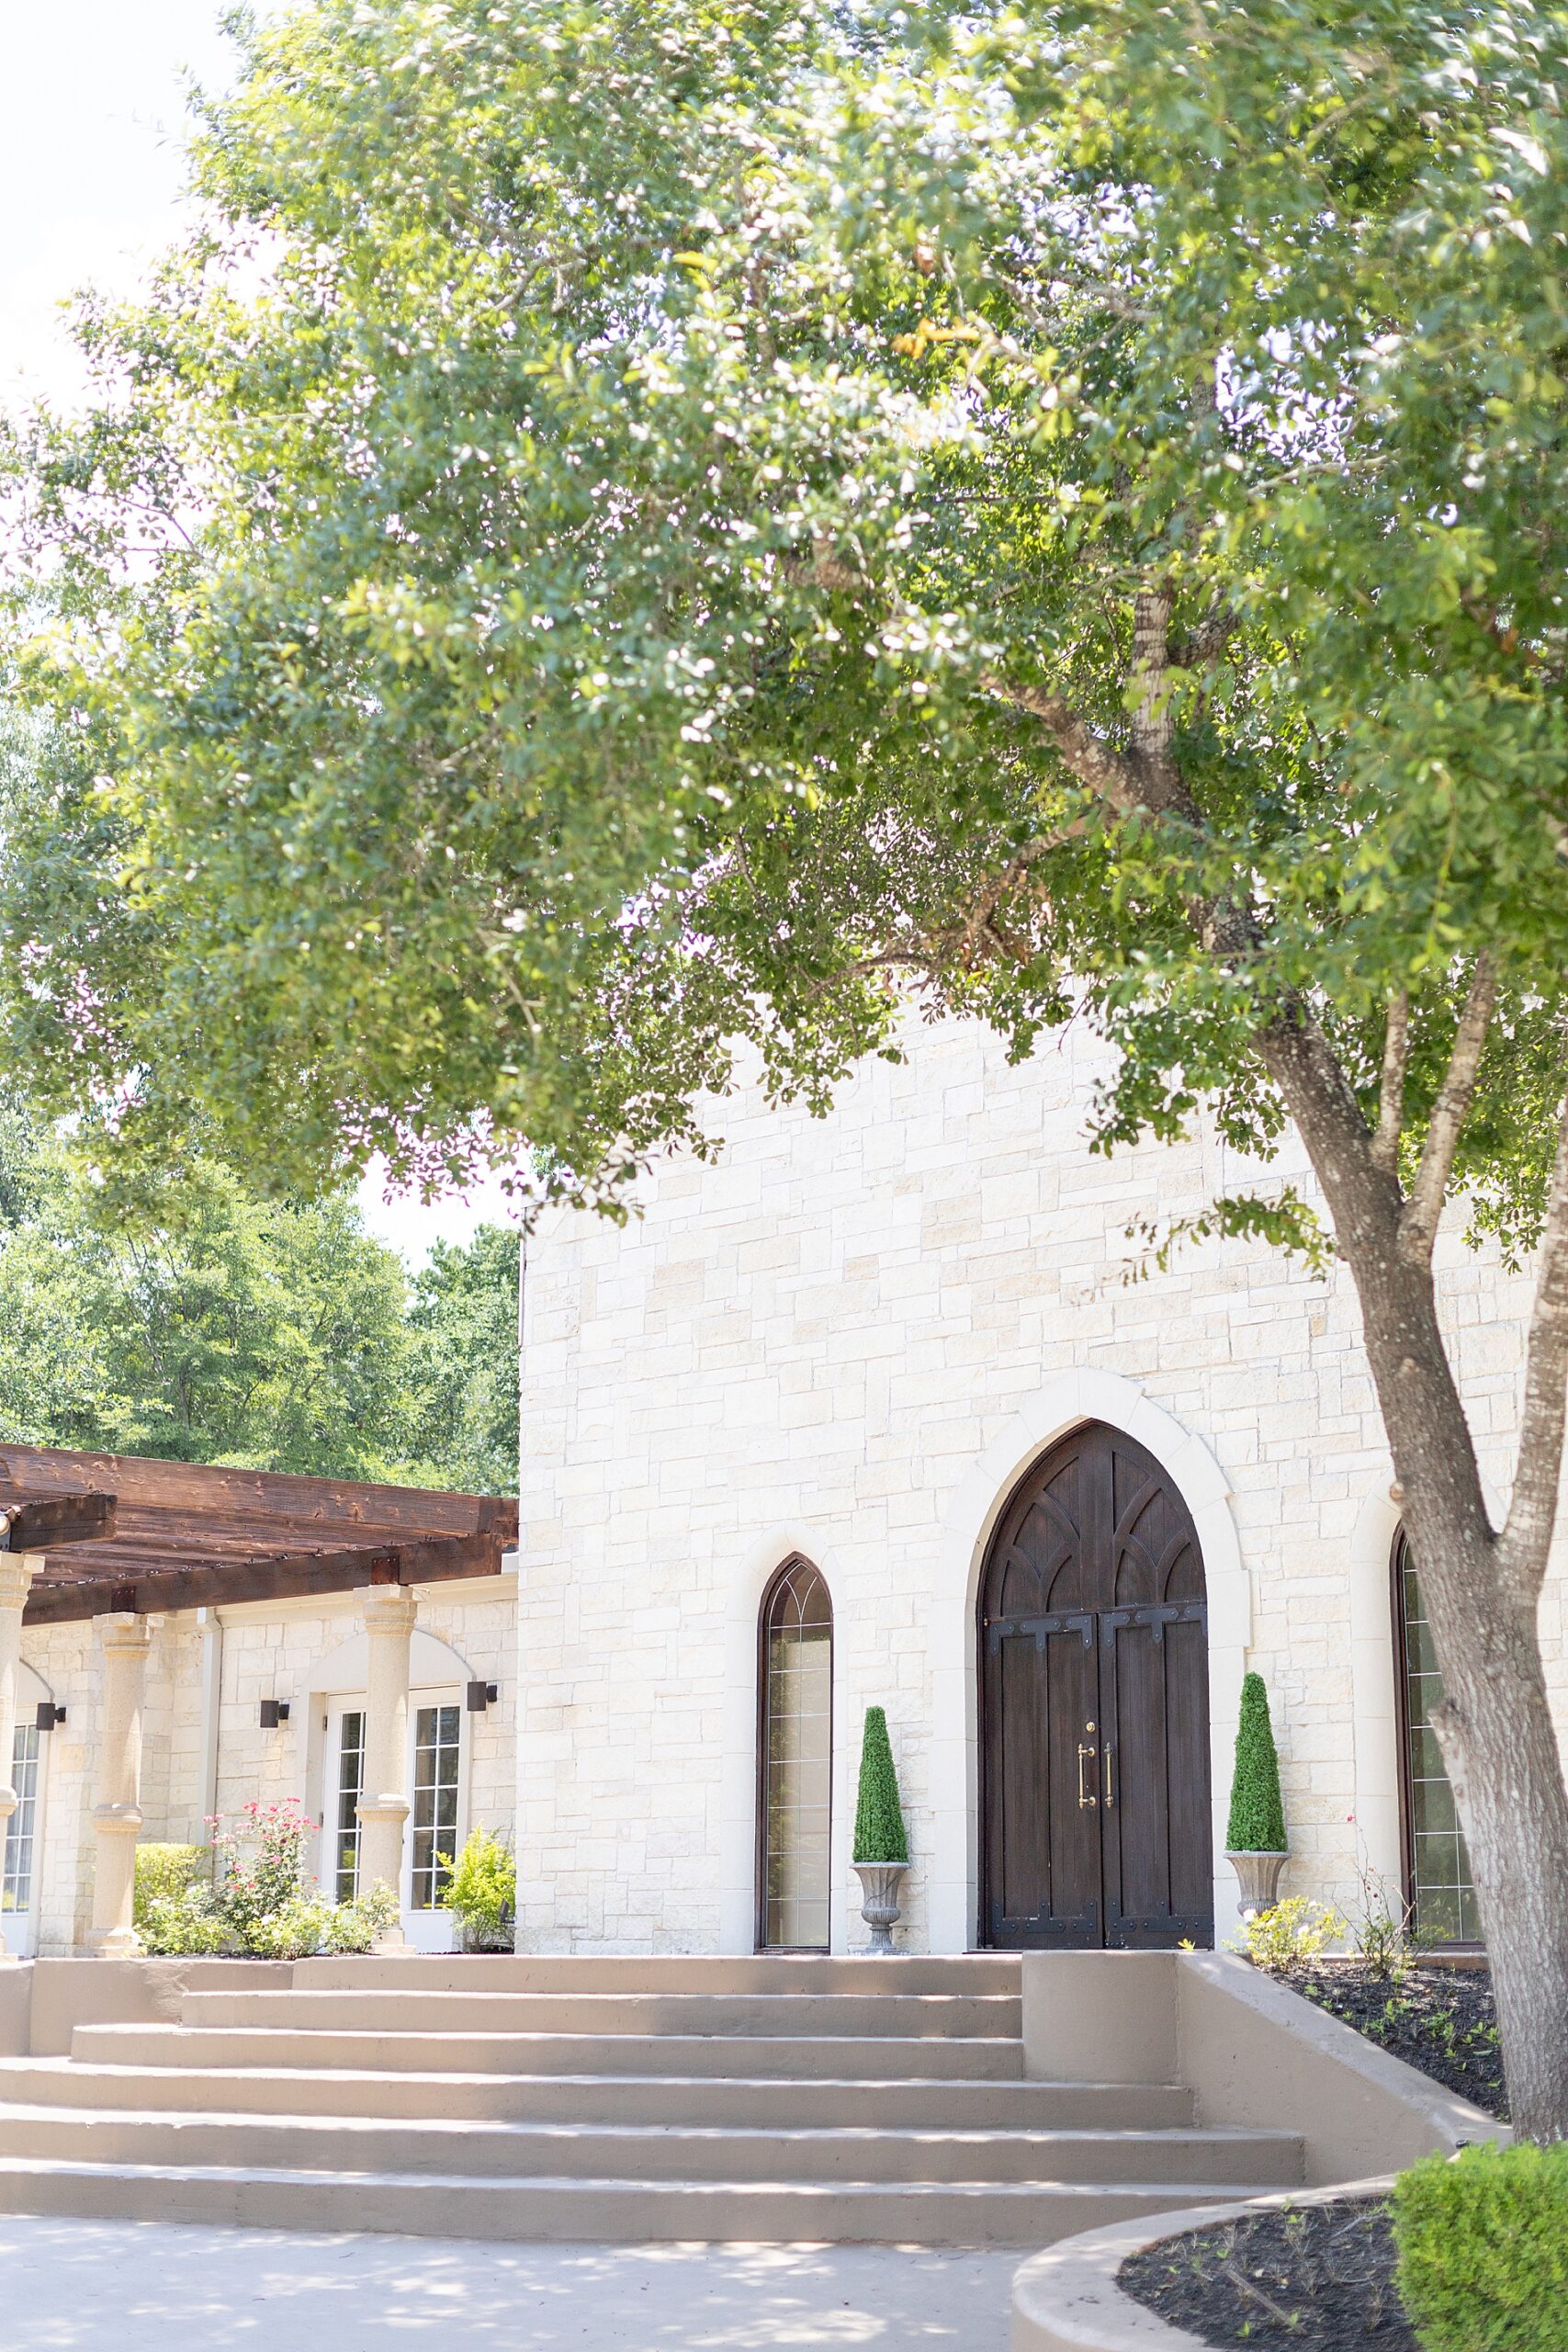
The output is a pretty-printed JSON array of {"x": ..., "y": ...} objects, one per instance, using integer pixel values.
[
  {"x": 812, "y": 1344},
  {"x": 203, "y": 1748}
]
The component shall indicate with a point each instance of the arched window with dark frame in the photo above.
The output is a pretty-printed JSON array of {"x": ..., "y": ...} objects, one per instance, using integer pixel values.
[
  {"x": 1440, "y": 1893},
  {"x": 794, "y": 1760}
]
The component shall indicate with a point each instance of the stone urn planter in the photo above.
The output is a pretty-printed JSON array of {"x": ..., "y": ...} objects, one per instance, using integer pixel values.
[
  {"x": 1259, "y": 1876},
  {"x": 880, "y": 1887}
]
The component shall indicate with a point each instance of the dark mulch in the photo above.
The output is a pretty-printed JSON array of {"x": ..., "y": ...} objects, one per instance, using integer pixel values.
[
  {"x": 1296, "y": 2278},
  {"x": 1441, "y": 2020}
]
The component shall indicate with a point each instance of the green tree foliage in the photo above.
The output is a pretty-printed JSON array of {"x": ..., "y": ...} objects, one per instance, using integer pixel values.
[
  {"x": 717, "y": 446},
  {"x": 1483, "y": 2241},
  {"x": 274, "y": 1335},
  {"x": 1257, "y": 1811},
  {"x": 463, "y": 1336},
  {"x": 879, "y": 1818},
  {"x": 627, "y": 530}
]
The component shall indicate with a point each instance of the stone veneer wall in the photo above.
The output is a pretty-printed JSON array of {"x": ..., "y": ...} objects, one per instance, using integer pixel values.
[
  {"x": 812, "y": 1343},
  {"x": 267, "y": 1651}
]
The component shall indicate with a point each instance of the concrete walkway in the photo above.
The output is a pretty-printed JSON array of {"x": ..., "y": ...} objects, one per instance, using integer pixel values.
[{"x": 69, "y": 2286}]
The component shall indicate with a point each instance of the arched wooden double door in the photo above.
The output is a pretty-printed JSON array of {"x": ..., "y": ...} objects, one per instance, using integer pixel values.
[{"x": 1094, "y": 1707}]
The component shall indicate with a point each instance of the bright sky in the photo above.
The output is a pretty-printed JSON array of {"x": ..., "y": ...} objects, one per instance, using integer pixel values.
[{"x": 91, "y": 107}]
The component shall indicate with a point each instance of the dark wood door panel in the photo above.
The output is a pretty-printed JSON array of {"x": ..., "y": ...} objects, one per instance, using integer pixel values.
[
  {"x": 1094, "y": 1758},
  {"x": 1157, "y": 1830},
  {"x": 1044, "y": 1868}
]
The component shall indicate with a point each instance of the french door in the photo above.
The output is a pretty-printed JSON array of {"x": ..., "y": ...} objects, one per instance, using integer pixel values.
[
  {"x": 18, "y": 1885},
  {"x": 436, "y": 1781},
  {"x": 1094, "y": 1702}
]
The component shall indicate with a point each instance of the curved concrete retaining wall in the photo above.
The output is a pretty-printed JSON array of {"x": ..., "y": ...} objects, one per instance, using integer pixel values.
[{"x": 1067, "y": 2300}]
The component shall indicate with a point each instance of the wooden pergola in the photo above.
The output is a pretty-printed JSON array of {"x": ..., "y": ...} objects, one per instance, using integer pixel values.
[{"x": 120, "y": 1533}]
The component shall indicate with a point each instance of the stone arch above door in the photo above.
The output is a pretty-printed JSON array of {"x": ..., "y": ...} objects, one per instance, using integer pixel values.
[{"x": 1060, "y": 1405}]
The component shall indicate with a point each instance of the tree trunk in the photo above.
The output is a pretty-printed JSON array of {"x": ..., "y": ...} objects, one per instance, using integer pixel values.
[{"x": 1494, "y": 1726}]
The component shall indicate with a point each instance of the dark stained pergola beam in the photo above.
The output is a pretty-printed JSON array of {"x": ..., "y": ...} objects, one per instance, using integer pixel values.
[
  {"x": 195, "y": 1491},
  {"x": 152, "y": 1591},
  {"x": 44, "y": 1522}
]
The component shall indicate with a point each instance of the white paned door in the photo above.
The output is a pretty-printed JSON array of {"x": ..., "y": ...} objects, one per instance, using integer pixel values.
[
  {"x": 19, "y": 1888},
  {"x": 438, "y": 1786}
]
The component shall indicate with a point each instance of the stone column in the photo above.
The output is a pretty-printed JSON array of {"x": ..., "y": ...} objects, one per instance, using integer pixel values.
[
  {"x": 389, "y": 1613},
  {"x": 116, "y": 1816},
  {"x": 17, "y": 1570}
]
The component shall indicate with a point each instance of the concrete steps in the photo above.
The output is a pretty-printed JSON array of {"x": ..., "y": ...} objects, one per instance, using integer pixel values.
[
  {"x": 608, "y": 2097},
  {"x": 1026, "y": 2214},
  {"x": 996, "y": 2059},
  {"x": 736, "y": 2099},
  {"x": 761, "y": 2017},
  {"x": 598, "y": 2150}
]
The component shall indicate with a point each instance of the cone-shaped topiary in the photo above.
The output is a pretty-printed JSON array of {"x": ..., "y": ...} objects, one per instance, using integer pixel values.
[
  {"x": 1258, "y": 1814},
  {"x": 879, "y": 1820}
]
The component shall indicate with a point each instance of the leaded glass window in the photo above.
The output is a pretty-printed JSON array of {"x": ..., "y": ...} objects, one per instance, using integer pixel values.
[
  {"x": 796, "y": 1665},
  {"x": 1441, "y": 1892}
]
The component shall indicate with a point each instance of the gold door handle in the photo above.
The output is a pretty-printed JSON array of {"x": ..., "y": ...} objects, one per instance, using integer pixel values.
[
  {"x": 1084, "y": 1797},
  {"x": 1109, "y": 1778}
]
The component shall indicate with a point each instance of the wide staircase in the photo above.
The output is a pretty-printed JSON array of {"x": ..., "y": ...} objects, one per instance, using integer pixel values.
[{"x": 602, "y": 2099}]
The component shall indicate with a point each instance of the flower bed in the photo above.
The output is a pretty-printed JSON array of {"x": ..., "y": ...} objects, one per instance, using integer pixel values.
[
  {"x": 249, "y": 1894},
  {"x": 1439, "y": 2020},
  {"x": 1313, "y": 2278}
]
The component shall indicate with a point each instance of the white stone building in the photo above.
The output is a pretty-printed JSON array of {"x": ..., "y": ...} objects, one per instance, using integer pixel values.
[
  {"x": 789, "y": 1438},
  {"x": 851, "y": 1342}
]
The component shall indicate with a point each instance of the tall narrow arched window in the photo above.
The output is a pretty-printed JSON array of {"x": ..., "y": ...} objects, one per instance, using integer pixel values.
[
  {"x": 1438, "y": 1889},
  {"x": 794, "y": 1760}
]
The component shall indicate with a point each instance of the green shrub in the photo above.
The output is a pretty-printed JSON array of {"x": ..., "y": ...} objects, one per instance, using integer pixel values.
[
  {"x": 1290, "y": 1933},
  {"x": 879, "y": 1818},
  {"x": 482, "y": 1891},
  {"x": 164, "y": 1872},
  {"x": 250, "y": 1894},
  {"x": 1483, "y": 2241},
  {"x": 1258, "y": 1813},
  {"x": 176, "y": 1926}
]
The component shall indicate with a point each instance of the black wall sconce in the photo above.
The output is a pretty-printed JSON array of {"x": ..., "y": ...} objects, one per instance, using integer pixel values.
[
  {"x": 483, "y": 1695},
  {"x": 273, "y": 1713},
  {"x": 49, "y": 1714}
]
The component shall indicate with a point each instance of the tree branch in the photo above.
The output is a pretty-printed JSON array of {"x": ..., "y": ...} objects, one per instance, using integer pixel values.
[
  {"x": 1418, "y": 1225},
  {"x": 1533, "y": 1508},
  {"x": 981, "y": 916},
  {"x": 1206, "y": 642},
  {"x": 1096, "y": 767},
  {"x": 1391, "y": 1088}
]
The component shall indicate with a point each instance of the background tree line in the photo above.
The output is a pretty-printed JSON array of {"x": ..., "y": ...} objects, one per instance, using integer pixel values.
[{"x": 220, "y": 1327}]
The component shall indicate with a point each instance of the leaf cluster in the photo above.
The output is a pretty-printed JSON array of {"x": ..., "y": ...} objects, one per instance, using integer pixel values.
[{"x": 559, "y": 578}]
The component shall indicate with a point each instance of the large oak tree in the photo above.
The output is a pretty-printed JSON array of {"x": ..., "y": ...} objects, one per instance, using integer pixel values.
[{"x": 637, "y": 525}]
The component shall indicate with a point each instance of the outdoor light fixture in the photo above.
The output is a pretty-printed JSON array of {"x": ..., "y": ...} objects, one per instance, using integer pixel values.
[
  {"x": 273, "y": 1713},
  {"x": 49, "y": 1714},
  {"x": 483, "y": 1695}
]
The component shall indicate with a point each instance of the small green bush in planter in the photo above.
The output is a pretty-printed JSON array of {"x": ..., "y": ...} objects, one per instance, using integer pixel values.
[
  {"x": 1258, "y": 1813},
  {"x": 482, "y": 1891},
  {"x": 164, "y": 1872},
  {"x": 1483, "y": 2241},
  {"x": 879, "y": 1818}
]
